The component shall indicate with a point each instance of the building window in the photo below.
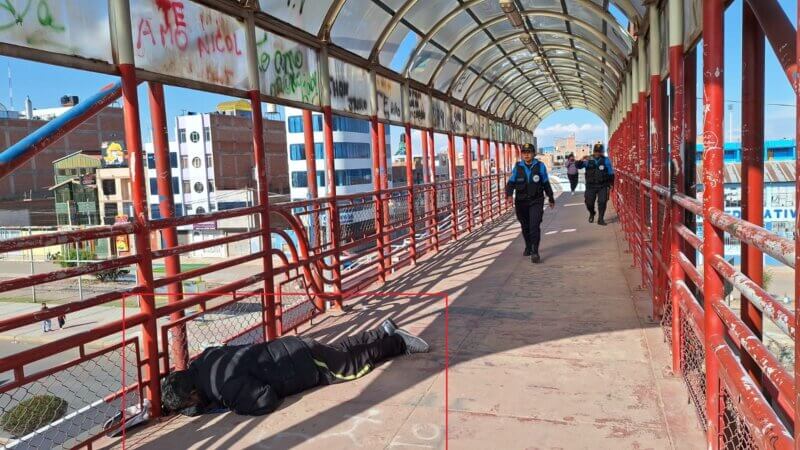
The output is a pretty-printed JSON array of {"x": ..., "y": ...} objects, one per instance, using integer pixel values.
[
  {"x": 153, "y": 186},
  {"x": 186, "y": 186},
  {"x": 209, "y": 161},
  {"x": 353, "y": 150},
  {"x": 350, "y": 125},
  {"x": 151, "y": 161},
  {"x": 198, "y": 187},
  {"x": 196, "y": 162},
  {"x": 296, "y": 123},
  {"x": 109, "y": 187},
  {"x": 300, "y": 179},
  {"x": 184, "y": 162},
  {"x": 207, "y": 133},
  {"x": 353, "y": 177},
  {"x": 110, "y": 212},
  {"x": 210, "y": 185},
  {"x": 181, "y": 135},
  {"x": 780, "y": 153},
  {"x": 194, "y": 136},
  {"x": 230, "y": 205},
  {"x": 200, "y": 210},
  {"x": 155, "y": 212},
  {"x": 173, "y": 160},
  {"x": 297, "y": 152}
]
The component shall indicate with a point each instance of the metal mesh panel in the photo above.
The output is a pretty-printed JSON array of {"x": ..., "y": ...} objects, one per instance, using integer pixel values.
[
  {"x": 356, "y": 222},
  {"x": 735, "y": 432},
  {"x": 234, "y": 323},
  {"x": 666, "y": 323},
  {"x": 693, "y": 368},
  {"x": 398, "y": 208},
  {"x": 70, "y": 406}
]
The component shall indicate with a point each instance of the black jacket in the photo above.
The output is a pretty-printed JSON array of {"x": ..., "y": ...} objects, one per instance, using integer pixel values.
[
  {"x": 251, "y": 379},
  {"x": 530, "y": 183}
]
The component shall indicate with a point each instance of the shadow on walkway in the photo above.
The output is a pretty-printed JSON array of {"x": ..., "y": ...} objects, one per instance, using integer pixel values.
[{"x": 550, "y": 355}]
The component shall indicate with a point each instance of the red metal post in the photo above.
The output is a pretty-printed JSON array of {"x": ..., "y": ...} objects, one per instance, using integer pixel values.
[
  {"x": 797, "y": 246},
  {"x": 713, "y": 196},
  {"x": 752, "y": 168},
  {"x": 333, "y": 211},
  {"x": 385, "y": 204},
  {"x": 479, "y": 167},
  {"x": 657, "y": 163},
  {"x": 311, "y": 173},
  {"x": 412, "y": 220},
  {"x": 497, "y": 178},
  {"x": 376, "y": 184},
  {"x": 451, "y": 156},
  {"x": 144, "y": 268},
  {"x": 166, "y": 206},
  {"x": 486, "y": 195},
  {"x": 676, "y": 76},
  {"x": 260, "y": 158},
  {"x": 468, "y": 176},
  {"x": 426, "y": 179},
  {"x": 435, "y": 196}
]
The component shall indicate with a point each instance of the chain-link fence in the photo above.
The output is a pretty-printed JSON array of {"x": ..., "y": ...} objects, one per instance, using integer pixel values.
[
  {"x": 693, "y": 368},
  {"x": 735, "y": 432},
  {"x": 666, "y": 323},
  {"x": 232, "y": 319},
  {"x": 356, "y": 221},
  {"x": 69, "y": 403}
]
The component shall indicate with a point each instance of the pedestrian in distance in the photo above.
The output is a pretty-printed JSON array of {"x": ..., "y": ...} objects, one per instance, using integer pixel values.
[
  {"x": 46, "y": 326},
  {"x": 529, "y": 184},
  {"x": 572, "y": 173},
  {"x": 599, "y": 181},
  {"x": 62, "y": 320}
]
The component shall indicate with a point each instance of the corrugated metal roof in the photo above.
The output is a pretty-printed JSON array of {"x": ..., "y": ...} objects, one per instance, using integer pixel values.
[{"x": 774, "y": 172}]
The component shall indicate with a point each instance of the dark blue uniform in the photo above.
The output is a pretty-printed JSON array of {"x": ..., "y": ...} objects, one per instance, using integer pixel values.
[
  {"x": 599, "y": 179},
  {"x": 529, "y": 184}
]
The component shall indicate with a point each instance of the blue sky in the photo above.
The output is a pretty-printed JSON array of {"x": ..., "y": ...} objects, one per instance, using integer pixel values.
[{"x": 46, "y": 84}]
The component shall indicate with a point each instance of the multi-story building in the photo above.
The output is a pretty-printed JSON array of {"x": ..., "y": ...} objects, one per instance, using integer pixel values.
[
  {"x": 212, "y": 166},
  {"x": 34, "y": 178},
  {"x": 569, "y": 146},
  {"x": 352, "y": 154},
  {"x": 75, "y": 189}
]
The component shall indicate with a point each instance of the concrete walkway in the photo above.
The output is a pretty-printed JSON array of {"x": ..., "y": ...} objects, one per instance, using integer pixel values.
[{"x": 558, "y": 355}]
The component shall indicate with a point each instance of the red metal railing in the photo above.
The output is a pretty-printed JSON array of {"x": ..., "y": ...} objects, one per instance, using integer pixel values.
[
  {"x": 236, "y": 311},
  {"x": 745, "y": 396}
]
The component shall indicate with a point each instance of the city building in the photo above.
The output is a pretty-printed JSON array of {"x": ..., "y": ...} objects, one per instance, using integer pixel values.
[
  {"x": 32, "y": 181},
  {"x": 212, "y": 170},
  {"x": 75, "y": 189},
  {"x": 774, "y": 150},
  {"x": 352, "y": 154},
  {"x": 569, "y": 146}
]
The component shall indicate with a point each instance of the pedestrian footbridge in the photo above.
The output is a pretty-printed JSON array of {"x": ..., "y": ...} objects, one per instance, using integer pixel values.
[{"x": 626, "y": 336}]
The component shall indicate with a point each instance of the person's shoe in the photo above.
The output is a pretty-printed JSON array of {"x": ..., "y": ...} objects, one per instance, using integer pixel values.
[
  {"x": 414, "y": 344},
  {"x": 389, "y": 326},
  {"x": 535, "y": 258},
  {"x": 591, "y": 218},
  {"x": 602, "y": 222},
  {"x": 527, "y": 252}
]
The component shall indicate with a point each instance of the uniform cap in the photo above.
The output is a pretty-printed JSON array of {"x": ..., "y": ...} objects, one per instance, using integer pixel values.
[{"x": 528, "y": 148}]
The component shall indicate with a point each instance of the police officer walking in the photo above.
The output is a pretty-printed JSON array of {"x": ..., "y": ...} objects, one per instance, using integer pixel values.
[
  {"x": 599, "y": 181},
  {"x": 529, "y": 184}
]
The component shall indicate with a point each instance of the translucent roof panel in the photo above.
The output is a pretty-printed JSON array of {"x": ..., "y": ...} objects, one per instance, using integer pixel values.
[
  {"x": 430, "y": 41},
  {"x": 358, "y": 25},
  {"x": 426, "y": 63},
  {"x": 397, "y": 51},
  {"x": 304, "y": 15},
  {"x": 424, "y": 14}
]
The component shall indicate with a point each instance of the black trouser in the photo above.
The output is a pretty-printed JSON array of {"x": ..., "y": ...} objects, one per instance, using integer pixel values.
[
  {"x": 599, "y": 194},
  {"x": 530, "y": 220},
  {"x": 354, "y": 356},
  {"x": 573, "y": 181}
]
